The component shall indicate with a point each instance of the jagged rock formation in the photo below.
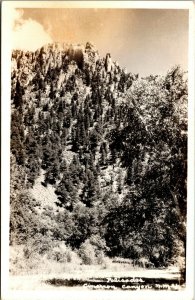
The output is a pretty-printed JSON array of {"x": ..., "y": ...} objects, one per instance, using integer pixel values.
[
  {"x": 111, "y": 146},
  {"x": 108, "y": 63}
]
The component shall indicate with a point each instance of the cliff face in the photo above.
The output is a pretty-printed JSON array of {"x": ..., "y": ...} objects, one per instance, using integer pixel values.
[{"x": 107, "y": 147}]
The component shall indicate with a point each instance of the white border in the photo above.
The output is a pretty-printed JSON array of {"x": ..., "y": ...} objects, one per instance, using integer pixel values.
[
  {"x": 191, "y": 156},
  {"x": 5, "y": 125},
  {"x": 101, "y": 4},
  {"x": 5, "y": 148}
]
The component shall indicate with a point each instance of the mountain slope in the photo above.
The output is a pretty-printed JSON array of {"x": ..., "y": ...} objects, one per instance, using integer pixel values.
[{"x": 110, "y": 146}]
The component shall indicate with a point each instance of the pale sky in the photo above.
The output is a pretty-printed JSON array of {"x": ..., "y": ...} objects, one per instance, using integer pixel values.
[{"x": 145, "y": 41}]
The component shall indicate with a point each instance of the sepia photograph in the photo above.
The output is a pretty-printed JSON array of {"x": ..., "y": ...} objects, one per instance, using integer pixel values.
[{"x": 98, "y": 182}]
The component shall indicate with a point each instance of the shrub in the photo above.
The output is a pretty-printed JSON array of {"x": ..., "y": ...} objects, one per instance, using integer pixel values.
[
  {"x": 39, "y": 244},
  {"x": 23, "y": 261},
  {"x": 87, "y": 253},
  {"x": 98, "y": 242},
  {"x": 101, "y": 258},
  {"x": 64, "y": 254},
  {"x": 16, "y": 262},
  {"x": 58, "y": 259},
  {"x": 91, "y": 252}
]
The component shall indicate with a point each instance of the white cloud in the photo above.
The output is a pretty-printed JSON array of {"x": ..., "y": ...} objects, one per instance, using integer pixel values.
[
  {"x": 16, "y": 16},
  {"x": 27, "y": 34}
]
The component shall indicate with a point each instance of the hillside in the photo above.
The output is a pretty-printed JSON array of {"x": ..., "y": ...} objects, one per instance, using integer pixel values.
[{"x": 98, "y": 157}]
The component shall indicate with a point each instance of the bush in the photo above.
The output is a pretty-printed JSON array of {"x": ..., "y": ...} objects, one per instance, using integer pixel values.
[
  {"x": 98, "y": 242},
  {"x": 64, "y": 254},
  {"x": 101, "y": 258},
  {"x": 16, "y": 262},
  {"x": 91, "y": 253},
  {"x": 87, "y": 253},
  {"x": 39, "y": 244},
  {"x": 24, "y": 261},
  {"x": 58, "y": 259}
]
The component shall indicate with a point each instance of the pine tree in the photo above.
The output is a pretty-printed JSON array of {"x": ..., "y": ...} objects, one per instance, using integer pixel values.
[{"x": 18, "y": 97}]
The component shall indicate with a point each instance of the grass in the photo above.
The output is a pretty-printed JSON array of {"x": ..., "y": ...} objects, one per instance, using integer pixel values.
[
  {"x": 70, "y": 276},
  {"x": 62, "y": 261},
  {"x": 45, "y": 272}
]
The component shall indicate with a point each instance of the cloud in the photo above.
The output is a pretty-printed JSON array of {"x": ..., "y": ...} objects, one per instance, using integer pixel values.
[
  {"x": 16, "y": 15},
  {"x": 27, "y": 34}
]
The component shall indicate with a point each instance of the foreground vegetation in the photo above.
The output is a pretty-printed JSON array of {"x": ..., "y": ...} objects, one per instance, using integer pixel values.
[{"x": 66, "y": 269}]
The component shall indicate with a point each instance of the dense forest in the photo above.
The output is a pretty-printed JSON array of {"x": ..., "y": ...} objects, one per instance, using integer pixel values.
[{"x": 98, "y": 157}]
